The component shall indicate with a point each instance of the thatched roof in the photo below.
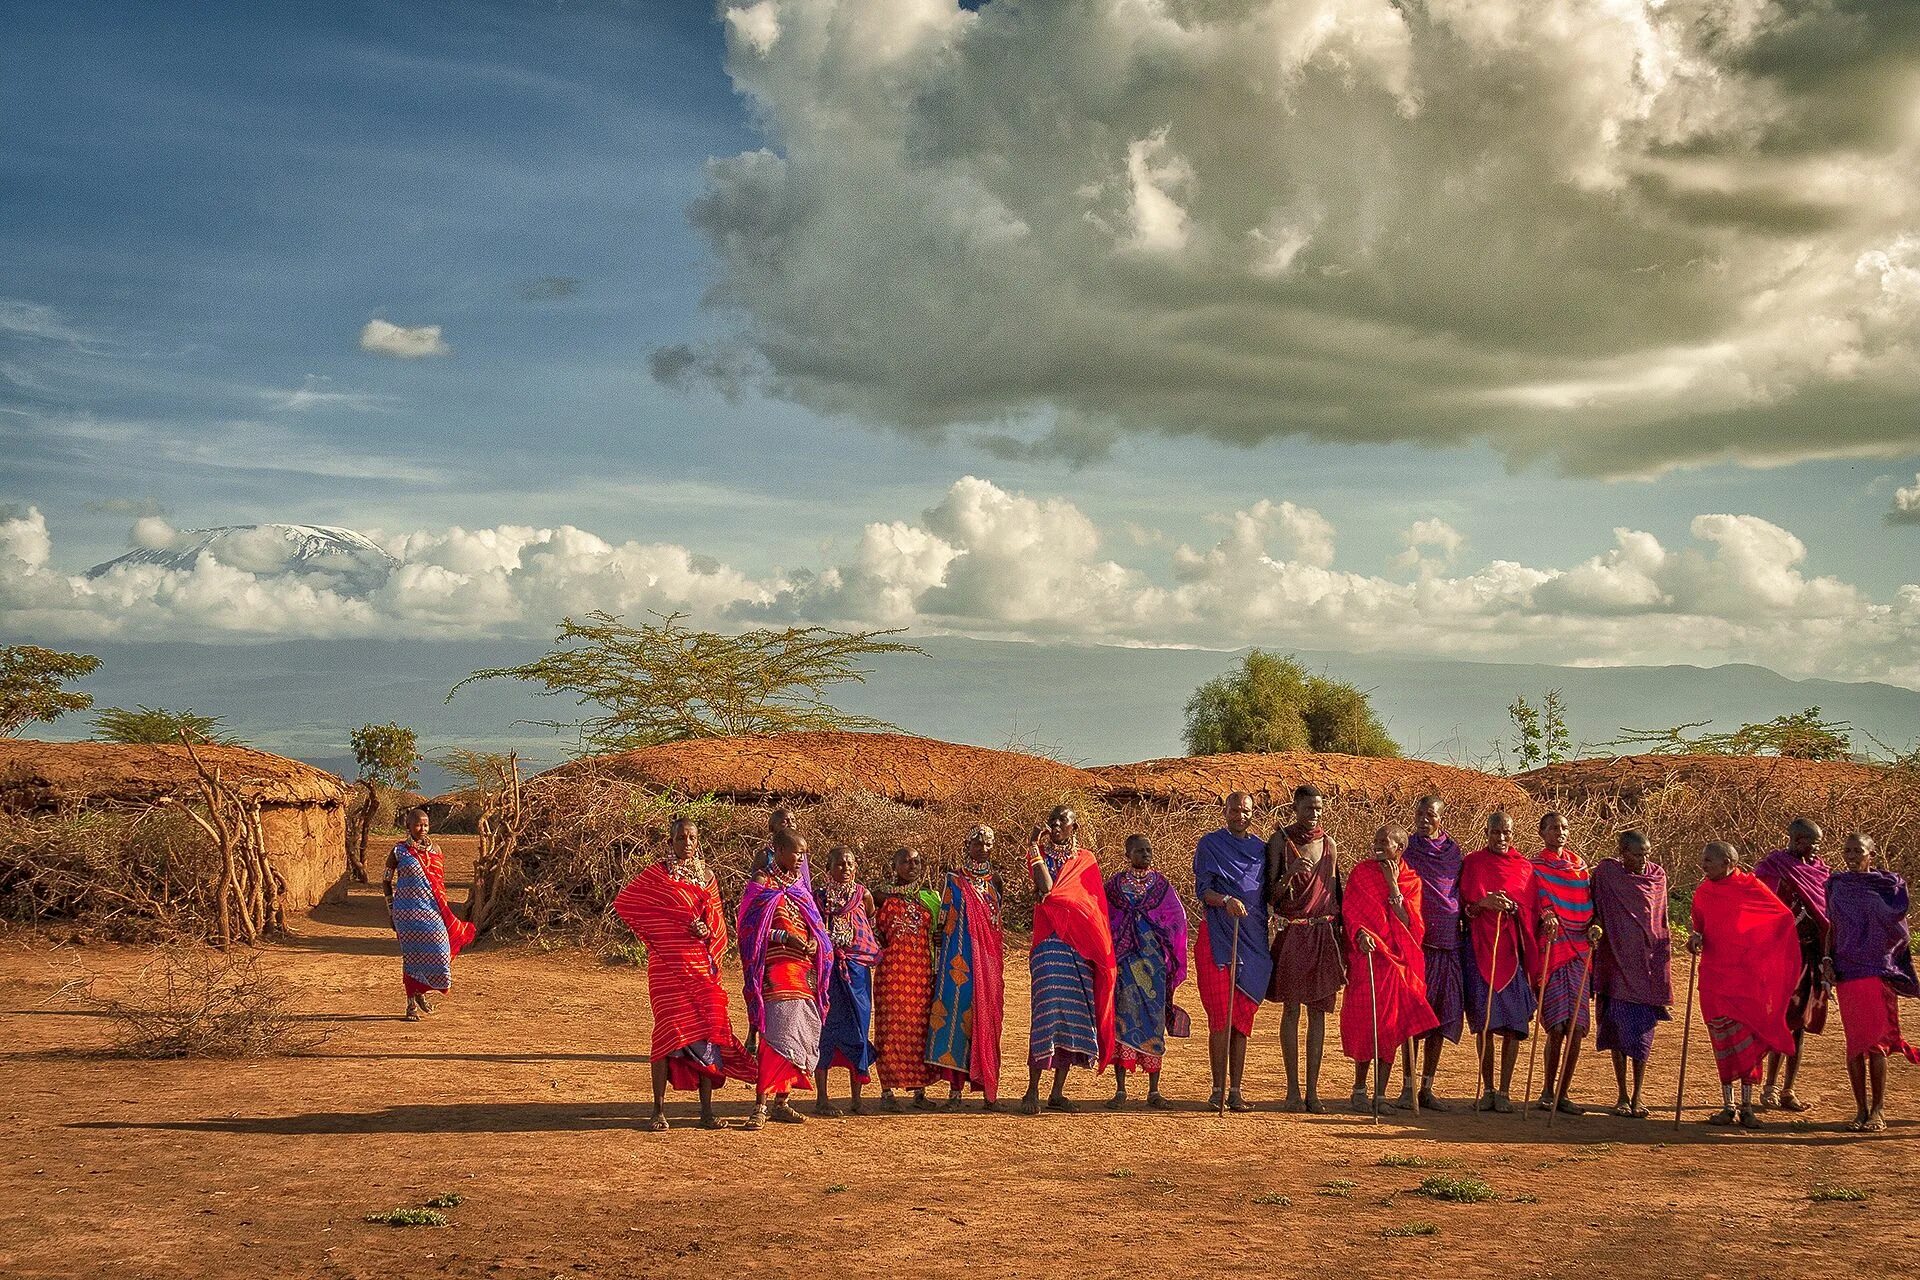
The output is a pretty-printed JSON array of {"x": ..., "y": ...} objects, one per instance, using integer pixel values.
[
  {"x": 1271, "y": 777},
  {"x": 1628, "y": 778},
  {"x": 804, "y": 767},
  {"x": 37, "y": 776}
]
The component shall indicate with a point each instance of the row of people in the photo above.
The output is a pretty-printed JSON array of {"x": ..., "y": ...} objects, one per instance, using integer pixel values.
[{"x": 1428, "y": 942}]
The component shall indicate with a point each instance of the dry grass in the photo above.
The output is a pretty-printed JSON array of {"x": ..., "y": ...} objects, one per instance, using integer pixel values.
[
  {"x": 137, "y": 875},
  {"x": 194, "y": 1002}
]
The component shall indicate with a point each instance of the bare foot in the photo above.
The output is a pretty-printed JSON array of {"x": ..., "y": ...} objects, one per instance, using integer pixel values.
[{"x": 827, "y": 1111}]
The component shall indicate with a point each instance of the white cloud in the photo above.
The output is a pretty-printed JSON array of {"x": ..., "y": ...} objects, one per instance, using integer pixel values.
[
  {"x": 984, "y": 560},
  {"x": 1620, "y": 235},
  {"x": 1434, "y": 536},
  {"x": 1906, "y": 504},
  {"x": 405, "y": 342},
  {"x": 316, "y": 392}
]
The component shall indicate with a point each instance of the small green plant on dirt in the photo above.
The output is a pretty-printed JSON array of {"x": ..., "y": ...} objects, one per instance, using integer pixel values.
[
  {"x": 1273, "y": 1198},
  {"x": 836, "y": 1188},
  {"x": 1841, "y": 1195},
  {"x": 1411, "y": 1229},
  {"x": 446, "y": 1200},
  {"x": 1340, "y": 1188},
  {"x": 1523, "y": 1199},
  {"x": 1119, "y": 1173},
  {"x": 1404, "y": 1162},
  {"x": 1457, "y": 1190},
  {"x": 408, "y": 1218}
]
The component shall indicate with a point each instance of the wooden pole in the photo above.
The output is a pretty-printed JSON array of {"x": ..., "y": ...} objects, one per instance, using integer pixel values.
[
  {"x": 1482, "y": 1084},
  {"x": 1686, "y": 1034},
  {"x": 1233, "y": 996},
  {"x": 1379, "y": 1085},
  {"x": 1573, "y": 1027},
  {"x": 1533, "y": 1050}
]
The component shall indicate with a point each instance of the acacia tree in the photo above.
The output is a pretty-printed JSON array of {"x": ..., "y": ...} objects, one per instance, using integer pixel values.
[
  {"x": 30, "y": 685},
  {"x": 388, "y": 755},
  {"x": 1541, "y": 735},
  {"x": 157, "y": 725},
  {"x": 1800, "y": 736},
  {"x": 1272, "y": 703},
  {"x": 663, "y": 681}
]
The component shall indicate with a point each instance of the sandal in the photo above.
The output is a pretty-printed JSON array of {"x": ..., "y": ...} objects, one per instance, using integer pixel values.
[
  {"x": 1639, "y": 1112},
  {"x": 1725, "y": 1116},
  {"x": 1029, "y": 1106},
  {"x": 658, "y": 1124},
  {"x": 1237, "y": 1103},
  {"x": 1116, "y": 1102},
  {"x": 1568, "y": 1107},
  {"x": 756, "y": 1120},
  {"x": 1158, "y": 1101},
  {"x": 783, "y": 1113},
  {"x": 1791, "y": 1102},
  {"x": 712, "y": 1124},
  {"x": 1066, "y": 1106},
  {"x": 1749, "y": 1118},
  {"x": 1502, "y": 1105}
]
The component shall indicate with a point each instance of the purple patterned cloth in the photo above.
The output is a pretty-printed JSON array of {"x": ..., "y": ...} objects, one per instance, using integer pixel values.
[
  {"x": 1437, "y": 863},
  {"x": 1634, "y": 961},
  {"x": 1870, "y": 937},
  {"x": 1808, "y": 878},
  {"x": 756, "y": 923}
]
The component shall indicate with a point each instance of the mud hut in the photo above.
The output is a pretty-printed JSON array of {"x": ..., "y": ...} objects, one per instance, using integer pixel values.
[
  {"x": 809, "y": 767},
  {"x": 1271, "y": 777},
  {"x": 302, "y": 809}
]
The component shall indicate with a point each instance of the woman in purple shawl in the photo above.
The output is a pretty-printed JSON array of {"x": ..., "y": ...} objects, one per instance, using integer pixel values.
[
  {"x": 1150, "y": 952},
  {"x": 1872, "y": 965},
  {"x": 1798, "y": 877},
  {"x": 1632, "y": 964},
  {"x": 1435, "y": 858},
  {"x": 786, "y": 956}
]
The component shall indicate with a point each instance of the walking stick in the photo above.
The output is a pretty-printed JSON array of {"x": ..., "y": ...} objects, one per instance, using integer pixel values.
[
  {"x": 1233, "y": 998},
  {"x": 1686, "y": 1034},
  {"x": 1373, "y": 998},
  {"x": 1573, "y": 1025},
  {"x": 1533, "y": 1050},
  {"x": 1483, "y": 1086}
]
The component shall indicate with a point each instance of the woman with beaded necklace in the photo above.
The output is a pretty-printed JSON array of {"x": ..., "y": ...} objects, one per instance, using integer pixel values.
[
  {"x": 969, "y": 996},
  {"x": 1150, "y": 949},
  {"x": 845, "y": 1040},
  {"x": 903, "y": 980}
]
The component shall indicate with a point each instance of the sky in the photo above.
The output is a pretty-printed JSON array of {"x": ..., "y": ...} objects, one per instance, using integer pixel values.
[{"x": 1576, "y": 331}]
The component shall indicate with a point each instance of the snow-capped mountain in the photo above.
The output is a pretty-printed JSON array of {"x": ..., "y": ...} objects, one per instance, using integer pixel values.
[{"x": 352, "y": 558}]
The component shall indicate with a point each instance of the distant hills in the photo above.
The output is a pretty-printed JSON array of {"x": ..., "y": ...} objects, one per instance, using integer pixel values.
[{"x": 1088, "y": 704}]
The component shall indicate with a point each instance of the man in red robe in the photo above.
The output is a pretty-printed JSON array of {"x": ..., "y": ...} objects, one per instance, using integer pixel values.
[
  {"x": 1386, "y": 1004},
  {"x": 674, "y": 908},
  {"x": 1749, "y": 949},
  {"x": 1494, "y": 881}
]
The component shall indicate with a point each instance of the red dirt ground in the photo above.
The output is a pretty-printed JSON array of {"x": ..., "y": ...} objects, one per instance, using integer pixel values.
[{"x": 525, "y": 1090}]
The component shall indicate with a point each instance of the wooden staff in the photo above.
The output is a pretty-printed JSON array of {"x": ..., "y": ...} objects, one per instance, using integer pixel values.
[
  {"x": 1686, "y": 1034},
  {"x": 1533, "y": 1049},
  {"x": 1573, "y": 1029},
  {"x": 1482, "y": 1086},
  {"x": 1233, "y": 998},
  {"x": 1379, "y": 1085}
]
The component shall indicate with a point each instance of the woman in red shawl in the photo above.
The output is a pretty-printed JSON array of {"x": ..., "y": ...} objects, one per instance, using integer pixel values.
[
  {"x": 673, "y": 906},
  {"x": 459, "y": 932},
  {"x": 1749, "y": 965},
  {"x": 1071, "y": 963},
  {"x": 1871, "y": 962},
  {"x": 1386, "y": 1005}
]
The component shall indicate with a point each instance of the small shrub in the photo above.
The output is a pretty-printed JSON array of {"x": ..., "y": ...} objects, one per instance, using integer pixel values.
[
  {"x": 836, "y": 1188},
  {"x": 193, "y": 1002},
  {"x": 1457, "y": 1190},
  {"x": 1273, "y": 1198},
  {"x": 1411, "y": 1229},
  {"x": 1119, "y": 1173},
  {"x": 408, "y": 1218},
  {"x": 1840, "y": 1195},
  {"x": 1340, "y": 1188},
  {"x": 1403, "y": 1162},
  {"x": 446, "y": 1200}
]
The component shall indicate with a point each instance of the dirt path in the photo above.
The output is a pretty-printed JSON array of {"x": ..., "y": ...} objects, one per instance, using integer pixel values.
[{"x": 524, "y": 1093}]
